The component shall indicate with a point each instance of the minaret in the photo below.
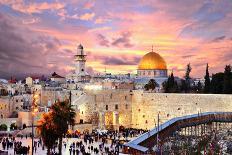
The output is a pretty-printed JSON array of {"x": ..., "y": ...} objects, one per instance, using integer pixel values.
[{"x": 80, "y": 60}]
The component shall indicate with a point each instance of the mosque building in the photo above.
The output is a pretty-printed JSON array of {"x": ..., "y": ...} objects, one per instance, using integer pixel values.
[{"x": 152, "y": 66}]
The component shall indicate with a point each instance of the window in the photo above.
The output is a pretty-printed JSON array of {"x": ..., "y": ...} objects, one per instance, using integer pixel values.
[
  {"x": 126, "y": 106},
  {"x": 125, "y": 97},
  {"x": 16, "y": 100},
  {"x": 111, "y": 95},
  {"x": 21, "y": 100},
  {"x": 106, "y": 107},
  {"x": 116, "y": 107}
]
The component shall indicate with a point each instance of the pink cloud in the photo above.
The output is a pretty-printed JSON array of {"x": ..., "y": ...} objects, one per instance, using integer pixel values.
[{"x": 32, "y": 7}]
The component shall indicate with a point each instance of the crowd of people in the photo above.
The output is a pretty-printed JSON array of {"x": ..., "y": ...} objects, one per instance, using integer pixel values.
[{"x": 109, "y": 142}]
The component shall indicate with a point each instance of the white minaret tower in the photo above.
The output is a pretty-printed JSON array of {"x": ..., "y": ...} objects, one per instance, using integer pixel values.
[{"x": 80, "y": 60}]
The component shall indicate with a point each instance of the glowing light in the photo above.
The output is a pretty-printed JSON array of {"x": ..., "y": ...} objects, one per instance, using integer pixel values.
[{"x": 93, "y": 87}]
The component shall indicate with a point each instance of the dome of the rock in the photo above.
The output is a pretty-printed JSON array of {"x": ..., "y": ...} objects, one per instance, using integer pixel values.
[{"x": 152, "y": 61}]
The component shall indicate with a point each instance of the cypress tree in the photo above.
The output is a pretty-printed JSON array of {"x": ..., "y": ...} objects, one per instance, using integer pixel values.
[
  {"x": 187, "y": 78},
  {"x": 207, "y": 80}
]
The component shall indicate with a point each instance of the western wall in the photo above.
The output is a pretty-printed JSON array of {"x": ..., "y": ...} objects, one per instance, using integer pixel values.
[
  {"x": 146, "y": 106},
  {"x": 139, "y": 109}
]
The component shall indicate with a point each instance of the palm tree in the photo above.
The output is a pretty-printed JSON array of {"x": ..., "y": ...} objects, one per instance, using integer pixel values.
[
  {"x": 46, "y": 129},
  {"x": 63, "y": 115}
]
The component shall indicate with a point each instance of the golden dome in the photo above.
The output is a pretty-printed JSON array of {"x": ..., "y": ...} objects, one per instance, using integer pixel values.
[{"x": 152, "y": 61}]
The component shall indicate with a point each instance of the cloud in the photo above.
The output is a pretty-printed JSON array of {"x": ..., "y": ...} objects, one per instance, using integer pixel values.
[
  {"x": 114, "y": 59},
  {"x": 116, "y": 29},
  {"x": 32, "y": 7},
  {"x": 102, "y": 40},
  {"x": 64, "y": 14},
  {"x": 89, "y": 5},
  {"x": 101, "y": 20},
  {"x": 217, "y": 39},
  {"x": 188, "y": 56},
  {"x": 122, "y": 41},
  {"x": 121, "y": 60},
  {"x": 31, "y": 21},
  {"x": 23, "y": 51},
  {"x": 87, "y": 16}
]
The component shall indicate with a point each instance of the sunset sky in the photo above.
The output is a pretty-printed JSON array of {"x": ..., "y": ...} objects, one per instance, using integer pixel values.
[{"x": 40, "y": 37}]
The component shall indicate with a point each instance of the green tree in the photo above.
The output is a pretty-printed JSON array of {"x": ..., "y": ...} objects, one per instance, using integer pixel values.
[
  {"x": 170, "y": 86},
  {"x": 46, "y": 129},
  {"x": 199, "y": 87},
  {"x": 207, "y": 80},
  {"x": 186, "y": 83},
  {"x": 217, "y": 83},
  {"x": 227, "y": 80},
  {"x": 3, "y": 127},
  {"x": 151, "y": 85},
  {"x": 63, "y": 115}
]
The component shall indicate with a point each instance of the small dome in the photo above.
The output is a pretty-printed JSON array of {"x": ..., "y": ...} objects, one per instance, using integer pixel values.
[
  {"x": 152, "y": 61},
  {"x": 80, "y": 47}
]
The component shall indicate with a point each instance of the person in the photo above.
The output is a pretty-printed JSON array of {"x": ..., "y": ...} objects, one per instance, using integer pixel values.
[
  {"x": 28, "y": 148},
  {"x": 77, "y": 151}
]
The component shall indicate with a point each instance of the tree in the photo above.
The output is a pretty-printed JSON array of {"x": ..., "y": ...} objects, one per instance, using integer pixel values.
[
  {"x": 217, "y": 83},
  {"x": 199, "y": 87},
  {"x": 46, "y": 129},
  {"x": 151, "y": 85},
  {"x": 170, "y": 86},
  {"x": 227, "y": 80},
  {"x": 186, "y": 82},
  {"x": 3, "y": 127},
  {"x": 207, "y": 80},
  {"x": 63, "y": 115}
]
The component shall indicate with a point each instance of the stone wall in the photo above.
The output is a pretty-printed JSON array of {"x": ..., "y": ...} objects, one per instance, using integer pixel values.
[
  {"x": 4, "y": 107},
  {"x": 107, "y": 107},
  {"x": 146, "y": 106}
]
